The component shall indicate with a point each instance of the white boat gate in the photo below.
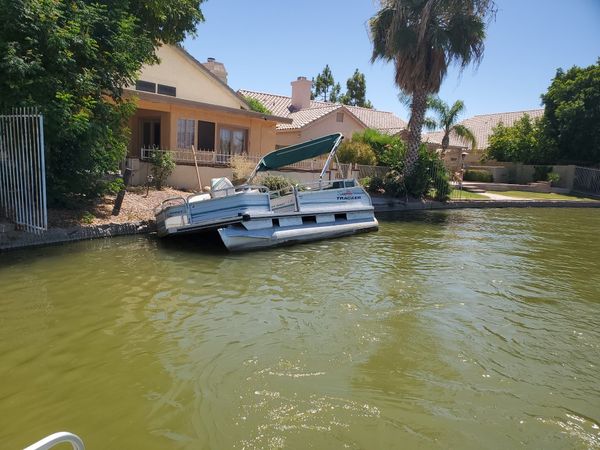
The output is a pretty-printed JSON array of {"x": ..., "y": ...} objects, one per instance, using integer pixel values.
[{"x": 22, "y": 169}]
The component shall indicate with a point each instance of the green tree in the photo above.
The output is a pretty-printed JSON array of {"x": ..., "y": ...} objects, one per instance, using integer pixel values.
[
  {"x": 323, "y": 84},
  {"x": 422, "y": 38},
  {"x": 356, "y": 91},
  {"x": 335, "y": 96},
  {"x": 71, "y": 58},
  {"x": 357, "y": 152},
  {"x": 572, "y": 114},
  {"x": 446, "y": 119},
  {"x": 257, "y": 105},
  {"x": 522, "y": 142}
]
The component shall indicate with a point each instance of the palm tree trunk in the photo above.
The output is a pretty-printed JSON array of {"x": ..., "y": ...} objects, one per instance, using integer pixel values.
[{"x": 415, "y": 125}]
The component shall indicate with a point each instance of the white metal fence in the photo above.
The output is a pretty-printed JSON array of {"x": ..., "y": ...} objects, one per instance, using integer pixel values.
[
  {"x": 22, "y": 169},
  {"x": 213, "y": 158}
]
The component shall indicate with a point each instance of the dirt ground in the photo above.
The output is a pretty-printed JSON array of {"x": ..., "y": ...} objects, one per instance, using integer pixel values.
[{"x": 136, "y": 207}]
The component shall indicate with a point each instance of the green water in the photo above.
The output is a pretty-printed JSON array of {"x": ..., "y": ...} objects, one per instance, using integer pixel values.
[{"x": 459, "y": 329}]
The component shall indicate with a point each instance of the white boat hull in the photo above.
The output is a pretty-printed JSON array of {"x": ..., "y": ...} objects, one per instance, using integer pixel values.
[{"x": 239, "y": 238}]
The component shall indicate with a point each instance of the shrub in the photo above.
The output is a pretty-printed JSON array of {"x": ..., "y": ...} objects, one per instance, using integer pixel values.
[
  {"x": 389, "y": 150},
  {"x": 429, "y": 173},
  {"x": 162, "y": 166},
  {"x": 478, "y": 175},
  {"x": 540, "y": 173},
  {"x": 241, "y": 168},
  {"x": 373, "y": 184},
  {"x": 257, "y": 105},
  {"x": 553, "y": 177},
  {"x": 357, "y": 152},
  {"x": 275, "y": 182}
]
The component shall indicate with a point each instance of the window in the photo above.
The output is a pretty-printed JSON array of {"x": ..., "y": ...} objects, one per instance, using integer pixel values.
[
  {"x": 339, "y": 117},
  {"x": 167, "y": 90},
  {"x": 206, "y": 135},
  {"x": 185, "y": 133},
  {"x": 150, "y": 133},
  {"x": 145, "y": 86},
  {"x": 233, "y": 141}
]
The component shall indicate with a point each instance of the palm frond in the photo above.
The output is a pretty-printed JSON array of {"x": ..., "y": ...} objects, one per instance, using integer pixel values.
[
  {"x": 430, "y": 123},
  {"x": 465, "y": 134}
]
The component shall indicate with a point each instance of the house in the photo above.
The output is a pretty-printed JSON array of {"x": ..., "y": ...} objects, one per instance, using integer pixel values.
[
  {"x": 183, "y": 103},
  {"x": 482, "y": 126},
  {"x": 313, "y": 118}
]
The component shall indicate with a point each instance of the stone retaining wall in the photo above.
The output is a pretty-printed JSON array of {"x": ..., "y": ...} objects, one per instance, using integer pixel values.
[
  {"x": 18, "y": 239},
  {"x": 389, "y": 204}
]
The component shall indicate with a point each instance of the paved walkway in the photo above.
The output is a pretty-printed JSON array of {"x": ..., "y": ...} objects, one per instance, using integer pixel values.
[{"x": 493, "y": 196}]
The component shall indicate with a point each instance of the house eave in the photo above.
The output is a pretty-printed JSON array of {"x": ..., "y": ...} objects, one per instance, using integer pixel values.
[{"x": 165, "y": 99}]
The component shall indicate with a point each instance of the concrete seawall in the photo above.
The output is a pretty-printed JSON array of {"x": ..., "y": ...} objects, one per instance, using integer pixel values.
[
  {"x": 388, "y": 204},
  {"x": 15, "y": 239}
]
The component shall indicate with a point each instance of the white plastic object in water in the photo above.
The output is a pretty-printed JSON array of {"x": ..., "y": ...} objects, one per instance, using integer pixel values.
[{"x": 58, "y": 438}]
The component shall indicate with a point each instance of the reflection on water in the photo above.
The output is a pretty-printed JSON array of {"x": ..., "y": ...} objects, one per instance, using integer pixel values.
[{"x": 453, "y": 329}]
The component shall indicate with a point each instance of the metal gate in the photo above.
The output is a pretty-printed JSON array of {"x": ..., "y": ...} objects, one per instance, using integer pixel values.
[
  {"x": 587, "y": 181},
  {"x": 22, "y": 169}
]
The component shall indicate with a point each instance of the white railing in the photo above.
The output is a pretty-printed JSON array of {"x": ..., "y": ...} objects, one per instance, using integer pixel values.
[
  {"x": 206, "y": 157},
  {"x": 22, "y": 169},
  {"x": 58, "y": 438}
]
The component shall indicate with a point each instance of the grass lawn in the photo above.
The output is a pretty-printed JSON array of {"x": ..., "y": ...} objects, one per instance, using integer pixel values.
[
  {"x": 541, "y": 196},
  {"x": 466, "y": 195}
]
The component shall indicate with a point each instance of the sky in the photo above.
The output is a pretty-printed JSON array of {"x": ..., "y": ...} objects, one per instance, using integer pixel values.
[{"x": 266, "y": 44}]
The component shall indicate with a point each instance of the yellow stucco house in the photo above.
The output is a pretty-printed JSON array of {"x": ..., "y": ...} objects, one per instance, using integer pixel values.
[
  {"x": 181, "y": 103},
  {"x": 312, "y": 118}
]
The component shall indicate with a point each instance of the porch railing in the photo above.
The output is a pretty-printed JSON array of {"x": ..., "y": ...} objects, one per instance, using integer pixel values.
[{"x": 213, "y": 158}]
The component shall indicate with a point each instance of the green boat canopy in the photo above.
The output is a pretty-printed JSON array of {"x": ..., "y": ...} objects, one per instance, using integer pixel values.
[{"x": 299, "y": 152}]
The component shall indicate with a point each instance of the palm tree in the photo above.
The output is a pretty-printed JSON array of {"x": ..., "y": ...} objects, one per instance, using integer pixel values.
[
  {"x": 422, "y": 38},
  {"x": 447, "y": 117}
]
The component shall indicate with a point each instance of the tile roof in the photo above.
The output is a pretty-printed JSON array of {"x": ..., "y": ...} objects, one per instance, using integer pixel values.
[
  {"x": 280, "y": 105},
  {"x": 482, "y": 127}
]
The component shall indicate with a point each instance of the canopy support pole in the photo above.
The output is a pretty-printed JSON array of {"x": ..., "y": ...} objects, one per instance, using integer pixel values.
[{"x": 330, "y": 157}]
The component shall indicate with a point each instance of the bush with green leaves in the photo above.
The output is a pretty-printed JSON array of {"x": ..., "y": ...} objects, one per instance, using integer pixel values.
[
  {"x": 72, "y": 59},
  {"x": 478, "y": 175},
  {"x": 356, "y": 152},
  {"x": 429, "y": 176},
  {"x": 257, "y": 106},
  {"x": 389, "y": 150},
  {"x": 162, "y": 165},
  {"x": 274, "y": 182},
  {"x": 373, "y": 184},
  {"x": 553, "y": 178},
  {"x": 540, "y": 173}
]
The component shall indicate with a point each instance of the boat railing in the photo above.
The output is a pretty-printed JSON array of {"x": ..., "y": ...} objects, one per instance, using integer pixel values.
[
  {"x": 171, "y": 201},
  {"x": 327, "y": 184},
  {"x": 58, "y": 438}
]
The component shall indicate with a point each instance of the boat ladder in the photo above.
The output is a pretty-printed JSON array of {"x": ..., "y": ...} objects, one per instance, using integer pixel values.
[{"x": 58, "y": 438}]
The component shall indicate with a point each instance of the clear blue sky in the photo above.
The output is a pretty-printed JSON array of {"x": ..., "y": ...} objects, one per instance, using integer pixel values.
[{"x": 266, "y": 44}]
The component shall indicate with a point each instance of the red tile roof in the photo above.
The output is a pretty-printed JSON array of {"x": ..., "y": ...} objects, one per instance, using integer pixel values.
[
  {"x": 280, "y": 105},
  {"x": 482, "y": 127}
]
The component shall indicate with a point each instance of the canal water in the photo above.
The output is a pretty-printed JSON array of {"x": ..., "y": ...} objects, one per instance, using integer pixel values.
[{"x": 454, "y": 329}]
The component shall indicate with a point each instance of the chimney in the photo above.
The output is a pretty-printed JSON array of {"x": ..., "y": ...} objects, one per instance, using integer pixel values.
[
  {"x": 301, "y": 93},
  {"x": 217, "y": 69}
]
